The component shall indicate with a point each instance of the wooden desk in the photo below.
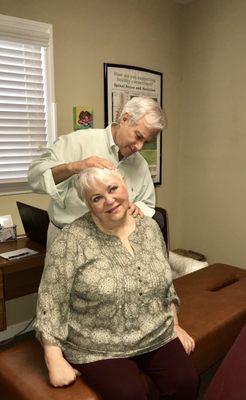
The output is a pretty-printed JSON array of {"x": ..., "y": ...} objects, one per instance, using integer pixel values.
[{"x": 19, "y": 277}]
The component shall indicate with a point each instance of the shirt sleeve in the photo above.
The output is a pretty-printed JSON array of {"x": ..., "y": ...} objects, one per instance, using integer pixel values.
[
  {"x": 40, "y": 176},
  {"x": 55, "y": 289},
  {"x": 145, "y": 199}
]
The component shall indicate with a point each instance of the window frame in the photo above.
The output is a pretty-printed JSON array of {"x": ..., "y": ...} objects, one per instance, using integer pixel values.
[{"x": 39, "y": 33}]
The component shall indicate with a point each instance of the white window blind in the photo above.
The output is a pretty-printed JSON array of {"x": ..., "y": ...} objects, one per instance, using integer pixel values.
[{"x": 26, "y": 128}]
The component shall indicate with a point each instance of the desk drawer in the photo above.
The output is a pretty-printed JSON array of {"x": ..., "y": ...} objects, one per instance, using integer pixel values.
[{"x": 23, "y": 277}]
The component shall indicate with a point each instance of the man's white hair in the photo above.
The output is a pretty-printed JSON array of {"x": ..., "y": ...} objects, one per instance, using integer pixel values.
[
  {"x": 88, "y": 179},
  {"x": 147, "y": 108}
]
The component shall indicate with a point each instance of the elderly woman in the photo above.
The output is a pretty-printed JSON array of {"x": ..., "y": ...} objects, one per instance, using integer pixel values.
[{"x": 106, "y": 304}]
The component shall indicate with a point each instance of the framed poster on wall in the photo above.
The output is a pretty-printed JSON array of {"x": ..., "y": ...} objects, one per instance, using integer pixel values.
[{"x": 121, "y": 83}]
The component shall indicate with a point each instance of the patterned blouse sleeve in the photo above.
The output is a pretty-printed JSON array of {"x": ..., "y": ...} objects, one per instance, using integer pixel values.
[{"x": 55, "y": 288}]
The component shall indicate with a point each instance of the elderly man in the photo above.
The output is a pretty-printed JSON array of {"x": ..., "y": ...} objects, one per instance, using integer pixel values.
[{"x": 117, "y": 146}]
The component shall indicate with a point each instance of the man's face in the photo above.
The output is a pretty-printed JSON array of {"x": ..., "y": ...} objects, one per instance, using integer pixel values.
[{"x": 131, "y": 138}]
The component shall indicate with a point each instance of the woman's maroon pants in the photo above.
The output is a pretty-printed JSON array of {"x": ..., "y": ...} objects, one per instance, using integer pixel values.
[{"x": 169, "y": 368}]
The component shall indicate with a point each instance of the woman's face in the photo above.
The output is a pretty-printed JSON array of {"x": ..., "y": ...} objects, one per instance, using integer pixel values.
[{"x": 108, "y": 201}]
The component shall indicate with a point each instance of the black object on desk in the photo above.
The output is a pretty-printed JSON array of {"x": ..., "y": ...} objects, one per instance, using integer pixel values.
[{"x": 35, "y": 222}]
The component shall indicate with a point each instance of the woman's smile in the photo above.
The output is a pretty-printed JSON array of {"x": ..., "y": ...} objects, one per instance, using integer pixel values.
[{"x": 113, "y": 209}]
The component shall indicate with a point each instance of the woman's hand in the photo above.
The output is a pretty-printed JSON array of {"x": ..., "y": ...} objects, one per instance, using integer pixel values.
[
  {"x": 61, "y": 373},
  {"x": 186, "y": 340},
  {"x": 134, "y": 210}
]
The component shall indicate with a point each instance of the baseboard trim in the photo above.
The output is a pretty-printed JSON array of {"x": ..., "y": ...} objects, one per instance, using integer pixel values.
[{"x": 15, "y": 329}]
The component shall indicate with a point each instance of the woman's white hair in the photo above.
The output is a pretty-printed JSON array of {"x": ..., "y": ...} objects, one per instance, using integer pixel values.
[
  {"x": 88, "y": 179},
  {"x": 147, "y": 108}
]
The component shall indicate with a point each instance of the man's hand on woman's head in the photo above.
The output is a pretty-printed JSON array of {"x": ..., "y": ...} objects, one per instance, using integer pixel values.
[
  {"x": 64, "y": 171},
  {"x": 186, "y": 340},
  {"x": 91, "y": 162},
  {"x": 134, "y": 210}
]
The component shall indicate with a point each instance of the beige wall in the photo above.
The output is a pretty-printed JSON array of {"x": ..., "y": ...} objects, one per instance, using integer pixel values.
[
  {"x": 87, "y": 34},
  {"x": 212, "y": 163}
]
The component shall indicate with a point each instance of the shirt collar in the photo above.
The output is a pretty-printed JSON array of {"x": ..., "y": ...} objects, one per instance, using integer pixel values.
[
  {"x": 110, "y": 138},
  {"x": 114, "y": 146}
]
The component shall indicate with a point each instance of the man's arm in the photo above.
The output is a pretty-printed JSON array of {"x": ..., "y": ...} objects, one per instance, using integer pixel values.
[
  {"x": 64, "y": 171},
  {"x": 61, "y": 161}
]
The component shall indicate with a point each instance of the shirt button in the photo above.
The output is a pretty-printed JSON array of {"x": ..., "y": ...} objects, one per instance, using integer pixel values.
[
  {"x": 132, "y": 189},
  {"x": 139, "y": 268}
]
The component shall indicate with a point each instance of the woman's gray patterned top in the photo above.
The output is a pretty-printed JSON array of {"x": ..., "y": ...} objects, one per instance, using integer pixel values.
[{"x": 97, "y": 301}]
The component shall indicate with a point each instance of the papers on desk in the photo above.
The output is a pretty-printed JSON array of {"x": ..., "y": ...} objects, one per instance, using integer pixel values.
[
  {"x": 14, "y": 255},
  {"x": 7, "y": 228}
]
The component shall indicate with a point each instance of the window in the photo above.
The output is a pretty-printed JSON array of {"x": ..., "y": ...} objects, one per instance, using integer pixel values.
[{"x": 27, "y": 109}]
